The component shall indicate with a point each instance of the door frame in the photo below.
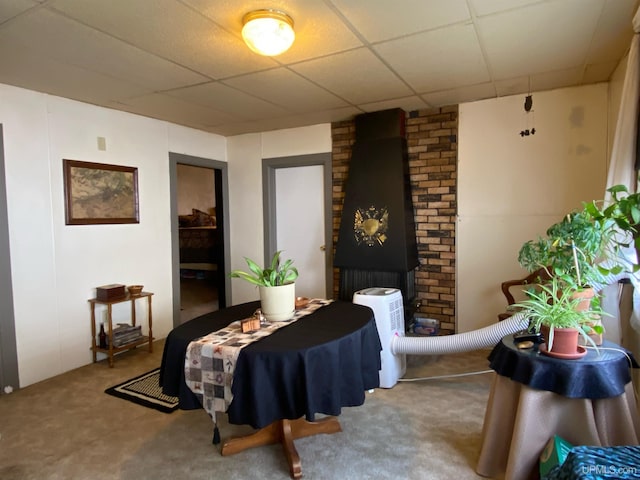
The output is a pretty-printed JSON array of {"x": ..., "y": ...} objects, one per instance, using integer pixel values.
[
  {"x": 9, "y": 375},
  {"x": 174, "y": 160},
  {"x": 269, "y": 211}
]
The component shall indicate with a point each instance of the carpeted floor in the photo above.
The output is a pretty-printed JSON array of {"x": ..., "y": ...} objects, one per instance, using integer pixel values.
[
  {"x": 197, "y": 297},
  {"x": 68, "y": 428}
]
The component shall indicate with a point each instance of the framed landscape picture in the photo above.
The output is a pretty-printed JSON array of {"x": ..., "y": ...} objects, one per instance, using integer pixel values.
[{"x": 97, "y": 193}]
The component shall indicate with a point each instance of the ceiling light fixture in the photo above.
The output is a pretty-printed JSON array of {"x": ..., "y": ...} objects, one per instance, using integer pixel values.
[{"x": 268, "y": 32}]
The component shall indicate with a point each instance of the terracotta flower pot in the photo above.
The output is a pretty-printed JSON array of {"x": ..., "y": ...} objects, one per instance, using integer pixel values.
[
  {"x": 586, "y": 296},
  {"x": 565, "y": 340}
]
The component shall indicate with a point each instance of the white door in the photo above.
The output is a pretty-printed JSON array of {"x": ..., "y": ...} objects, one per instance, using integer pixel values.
[{"x": 300, "y": 225}]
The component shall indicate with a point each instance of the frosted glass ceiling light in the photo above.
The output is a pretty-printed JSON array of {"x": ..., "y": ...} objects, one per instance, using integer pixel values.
[{"x": 268, "y": 32}]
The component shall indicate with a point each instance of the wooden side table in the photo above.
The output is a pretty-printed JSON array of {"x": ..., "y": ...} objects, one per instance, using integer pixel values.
[{"x": 111, "y": 350}]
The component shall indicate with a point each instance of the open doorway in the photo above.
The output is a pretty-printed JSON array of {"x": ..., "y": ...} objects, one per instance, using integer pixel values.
[
  {"x": 199, "y": 226},
  {"x": 198, "y": 239}
]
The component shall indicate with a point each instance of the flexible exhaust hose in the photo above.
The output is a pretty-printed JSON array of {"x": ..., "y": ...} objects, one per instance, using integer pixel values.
[
  {"x": 475, "y": 339},
  {"x": 460, "y": 342}
]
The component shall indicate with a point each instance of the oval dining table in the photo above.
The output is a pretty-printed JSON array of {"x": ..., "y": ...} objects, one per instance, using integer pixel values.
[{"x": 317, "y": 365}]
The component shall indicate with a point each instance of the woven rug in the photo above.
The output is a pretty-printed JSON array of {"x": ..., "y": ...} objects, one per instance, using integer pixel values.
[{"x": 145, "y": 390}]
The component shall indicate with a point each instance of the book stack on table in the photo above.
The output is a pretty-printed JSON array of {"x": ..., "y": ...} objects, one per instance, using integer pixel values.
[{"x": 125, "y": 333}]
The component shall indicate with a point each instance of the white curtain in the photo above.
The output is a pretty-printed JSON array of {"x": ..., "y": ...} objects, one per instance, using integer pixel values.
[
  {"x": 622, "y": 171},
  {"x": 623, "y": 153}
]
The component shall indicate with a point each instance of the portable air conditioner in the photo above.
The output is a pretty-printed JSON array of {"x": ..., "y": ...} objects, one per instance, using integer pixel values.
[{"x": 388, "y": 309}]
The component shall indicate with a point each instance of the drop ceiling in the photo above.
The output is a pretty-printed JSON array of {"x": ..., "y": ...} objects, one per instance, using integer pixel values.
[{"x": 184, "y": 61}]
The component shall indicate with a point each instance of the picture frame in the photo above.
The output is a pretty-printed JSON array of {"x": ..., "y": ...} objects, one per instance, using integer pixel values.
[{"x": 99, "y": 193}]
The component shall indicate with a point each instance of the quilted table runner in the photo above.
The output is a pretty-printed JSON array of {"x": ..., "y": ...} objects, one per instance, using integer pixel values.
[{"x": 210, "y": 360}]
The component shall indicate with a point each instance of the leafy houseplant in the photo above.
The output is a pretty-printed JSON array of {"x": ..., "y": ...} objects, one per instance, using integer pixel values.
[
  {"x": 555, "y": 307},
  {"x": 625, "y": 209},
  {"x": 276, "y": 274},
  {"x": 577, "y": 255},
  {"x": 624, "y": 212},
  {"x": 573, "y": 250},
  {"x": 276, "y": 284},
  {"x": 581, "y": 250}
]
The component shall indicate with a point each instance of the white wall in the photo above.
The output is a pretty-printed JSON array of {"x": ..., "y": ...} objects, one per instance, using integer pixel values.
[
  {"x": 510, "y": 188},
  {"x": 55, "y": 267},
  {"x": 245, "y": 154}
]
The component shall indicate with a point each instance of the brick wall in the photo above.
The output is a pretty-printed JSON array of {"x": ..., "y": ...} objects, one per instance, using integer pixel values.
[{"x": 432, "y": 145}]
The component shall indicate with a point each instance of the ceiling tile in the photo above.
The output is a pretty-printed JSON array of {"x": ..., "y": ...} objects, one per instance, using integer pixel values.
[
  {"x": 378, "y": 21},
  {"x": 287, "y": 89},
  {"x": 11, "y": 8},
  {"x": 22, "y": 68},
  {"x": 416, "y": 53},
  {"x": 487, "y": 7},
  {"x": 358, "y": 76},
  {"x": 319, "y": 30},
  {"x": 408, "y": 104},
  {"x": 229, "y": 100},
  {"x": 512, "y": 86},
  {"x": 170, "y": 30},
  {"x": 432, "y": 61},
  {"x": 539, "y": 82},
  {"x": 54, "y": 36},
  {"x": 292, "y": 121},
  {"x": 185, "y": 113},
  {"x": 460, "y": 95},
  {"x": 557, "y": 79},
  {"x": 614, "y": 31},
  {"x": 311, "y": 118},
  {"x": 599, "y": 72},
  {"x": 516, "y": 44}
]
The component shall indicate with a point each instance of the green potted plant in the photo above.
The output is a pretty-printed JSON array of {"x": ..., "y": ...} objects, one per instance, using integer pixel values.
[
  {"x": 577, "y": 253},
  {"x": 625, "y": 208},
  {"x": 276, "y": 284},
  {"x": 624, "y": 212},
  {"x": 552, "y": 310},
  {"x": 575, "y": 250}
]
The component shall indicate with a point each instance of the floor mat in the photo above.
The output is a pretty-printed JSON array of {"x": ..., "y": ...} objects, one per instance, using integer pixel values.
[{"x": 145, "y": 390}]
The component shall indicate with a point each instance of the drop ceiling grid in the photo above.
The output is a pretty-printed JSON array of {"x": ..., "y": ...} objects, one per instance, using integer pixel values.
[
  {"x": 287, "y": 89},
  {"x": 184, "y": 60},
  {"x": 438, "y": 59},
  {"x": 27, "y": 69},
  {"x": 358, "y": 76},
  {"x": 50, "y": 35},
  {"x": 230, "y": 100},
  {"x": 170, "y": 30},
  {"x": 190, "y": 114},
  {"x": 379, "y": 21},
  {"x": 319, "y": 32},
  {"x": 525, "y": 41}
]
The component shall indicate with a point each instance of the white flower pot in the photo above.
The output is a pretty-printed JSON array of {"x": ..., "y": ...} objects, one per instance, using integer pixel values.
[{"x": 278, "y": 303}]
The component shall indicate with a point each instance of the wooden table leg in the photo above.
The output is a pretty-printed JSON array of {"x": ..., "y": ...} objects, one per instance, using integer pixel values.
[{"x": 285, "y": 432}]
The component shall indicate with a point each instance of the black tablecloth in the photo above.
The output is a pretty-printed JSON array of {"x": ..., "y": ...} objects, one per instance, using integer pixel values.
[
  {"x": 596, "y": 375},
  {"x": 319, "y": 364}
]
